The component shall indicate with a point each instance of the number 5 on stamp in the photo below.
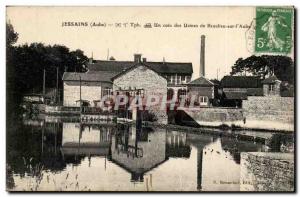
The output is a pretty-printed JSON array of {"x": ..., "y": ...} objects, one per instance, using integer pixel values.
[{"x": 274, "y": 32}]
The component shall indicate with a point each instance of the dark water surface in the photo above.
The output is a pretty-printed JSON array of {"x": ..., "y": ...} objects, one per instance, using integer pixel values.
[{"x": 70, "y": 156}]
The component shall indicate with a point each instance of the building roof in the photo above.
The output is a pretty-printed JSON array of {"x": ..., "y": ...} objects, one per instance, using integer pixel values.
[
  {"x": 135, "y": 66},
  {"x": 49, "y": 92},
  {"x": 160, "y": 67},
  {"x": 201, "y": 81},
  {"x": 215, "y": 82},
  {"x": 235, "y": 95},
  {"x": 271, "y": 79},
  {"x": 101, "y": 76},
  {"x": 241, "y": 82}
]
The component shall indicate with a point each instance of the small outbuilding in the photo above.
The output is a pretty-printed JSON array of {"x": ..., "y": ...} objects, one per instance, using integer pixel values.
[
  {"x": 89, "y": 87},
  {"x": 203, "y": 90},
  {"x": 235, "y": 89},
  {"x": 271, "y": 86}
]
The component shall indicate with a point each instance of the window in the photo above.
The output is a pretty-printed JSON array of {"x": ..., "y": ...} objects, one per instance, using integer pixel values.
[
  {"x": 173, "y": 78},
  {"x": 170, "y": 94},
  {"x": 188, "y": 79},
  {"x": 106, "y": 91},
  {"x": 181, "y": 94},
  {"x": 141, "y": 93},
  {"x": 271, "y": 87},
  {"x": 203, "y": 100},
  {"x": 177, "y": 79},
  {"x": 169, "y": 78},
  {"x": 183, "y": 79}
]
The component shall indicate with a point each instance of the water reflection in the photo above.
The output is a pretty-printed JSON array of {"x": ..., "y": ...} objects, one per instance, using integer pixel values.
[
  {"x": 138, "y": 150},
  {"x": 79, "y": 140},
  {"x": 74, "y": 156}
]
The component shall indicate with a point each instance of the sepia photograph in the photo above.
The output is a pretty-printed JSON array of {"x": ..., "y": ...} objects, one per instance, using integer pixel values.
[{"x": 150, "y": 99}]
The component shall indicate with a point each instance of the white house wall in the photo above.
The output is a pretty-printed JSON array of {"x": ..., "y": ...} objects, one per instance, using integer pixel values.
[{"x": 72, "y": 94}]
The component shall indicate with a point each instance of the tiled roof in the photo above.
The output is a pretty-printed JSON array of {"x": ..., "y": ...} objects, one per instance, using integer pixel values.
[
  {"x": 201, "y": 81},
  {"x": 103, "y": 76},
  {"x": 160, "y": 67},
  {"x": 49, "y": 92},
  {"x": 135, "y": 66},
  {"x": 271, "y": 79},
  {"x": 240, "y": 82}
]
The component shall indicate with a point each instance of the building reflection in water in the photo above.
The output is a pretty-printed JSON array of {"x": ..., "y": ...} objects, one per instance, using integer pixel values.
[
  {"x": 177, "y": 145},
  {"x": 141, "y": 150},
  {"x": 199, "y": 142},
  {"x": 219, "y": 163},
  {"x": 79, "y": 139},
  {"x": 138, "y": 150}
]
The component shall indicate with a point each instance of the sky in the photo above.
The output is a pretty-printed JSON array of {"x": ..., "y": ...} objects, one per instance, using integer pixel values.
[{"x": 174, "y": 44}]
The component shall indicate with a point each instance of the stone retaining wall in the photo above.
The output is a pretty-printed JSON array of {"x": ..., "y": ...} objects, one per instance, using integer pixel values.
[
  {"x": 269, "y": 108},
  {"x": 267, "y": 171},
  {"x": 216, "y": 114}
]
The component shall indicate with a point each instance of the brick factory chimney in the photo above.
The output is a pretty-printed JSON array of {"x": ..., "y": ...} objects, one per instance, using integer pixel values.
[
  {"x": 90, "y": 60},
  {"x": 202, "y": 56},
  {"x": 137, "y": 58}
]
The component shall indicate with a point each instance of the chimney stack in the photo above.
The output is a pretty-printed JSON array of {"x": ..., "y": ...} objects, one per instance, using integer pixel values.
[
  {"x": 137, "y": 58},
  {"x": 91, "y": 59},
  {"x": 144, "y": 59},
  {"x": 202, "y": 56}
]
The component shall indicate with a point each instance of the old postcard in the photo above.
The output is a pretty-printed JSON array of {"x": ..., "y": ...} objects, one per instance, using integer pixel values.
[{"x": 150, "y": 99}]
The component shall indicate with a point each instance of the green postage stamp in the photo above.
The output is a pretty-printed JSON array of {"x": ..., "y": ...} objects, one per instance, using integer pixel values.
[{"x": 274, "y": 30}]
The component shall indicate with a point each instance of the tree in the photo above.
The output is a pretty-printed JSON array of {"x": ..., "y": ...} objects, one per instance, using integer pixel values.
[
  {"x": 25, "y": 65},
  {"x": 31, "y": 60},
  {"x": 281, "y": 66},
  {"x": 11, "y": 38},
  {"x": 11, "y": 35}
]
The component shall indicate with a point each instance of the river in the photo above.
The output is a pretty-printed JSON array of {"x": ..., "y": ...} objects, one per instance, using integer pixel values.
[{"x": 71, "y": 156}]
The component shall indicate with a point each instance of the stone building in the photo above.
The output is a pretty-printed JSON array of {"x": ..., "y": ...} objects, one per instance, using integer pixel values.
[
  {"x": 271, "y": 86},
  {"x": 204, "y": 91},
  {"x": 144, "y": 81},
  {"x": 139, "y": 75},
  {"x": 178, "y": 74}
]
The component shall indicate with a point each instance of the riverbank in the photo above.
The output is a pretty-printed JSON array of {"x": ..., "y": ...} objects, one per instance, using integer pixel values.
[
  {"x": 252, "y": 125},
  {"x": 231, "y": 118},
  {"x": 238, "y": 118},
  {"x": 245, "y": 134}
]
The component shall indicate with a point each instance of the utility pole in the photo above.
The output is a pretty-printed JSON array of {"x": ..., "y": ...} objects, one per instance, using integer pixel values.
[
  {"x": 80, "y": 93},
  {"x": 57, "y": 94},
  {"x": 44, "y": 85},
  {"x": 43, "y": 131}
]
